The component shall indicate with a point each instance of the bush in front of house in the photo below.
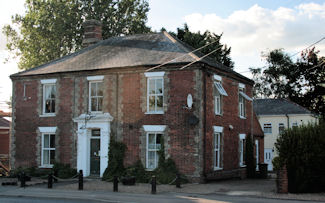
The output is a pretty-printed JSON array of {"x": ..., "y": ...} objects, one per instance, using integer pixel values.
[
  {"x": 116, "y": 153},
  {"x": 302, "y": 150},
  {"x": 63, "y": 171}
]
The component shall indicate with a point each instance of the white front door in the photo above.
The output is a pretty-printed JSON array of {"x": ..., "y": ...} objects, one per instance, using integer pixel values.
[{"x": 268, "y": 156}]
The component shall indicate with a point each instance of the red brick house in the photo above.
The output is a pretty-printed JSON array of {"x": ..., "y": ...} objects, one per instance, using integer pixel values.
[
  {"x": 69, "y": 109},
  {"x": 4, "y": 142}
]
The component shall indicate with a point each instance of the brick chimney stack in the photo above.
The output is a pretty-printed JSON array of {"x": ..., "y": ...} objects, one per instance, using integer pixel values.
[{"x": 92, "y": 32}]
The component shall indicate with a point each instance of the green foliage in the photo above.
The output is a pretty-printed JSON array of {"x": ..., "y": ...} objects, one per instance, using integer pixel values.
[
  {"x": 139, "y": 172},
  {"x": 277, "y": 163},
  {"x": 31, "y": 171},
  {"x": 302, "y": 149},
  {"x": 116, "y": 155},
  {"x": 51, "y": 29},
  {"x": 298, "y": 81},
  {"x": 197, "y": 40},
  {"x": 63, "y": 170},
  {"x": 249, "y": 158},
  {"x": 166, "y": 170}
]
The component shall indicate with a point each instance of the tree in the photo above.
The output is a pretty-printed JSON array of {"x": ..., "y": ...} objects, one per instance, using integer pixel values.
[
  {"x": 197, "y": 40},
  {"x": 51, "y": 29},
  {"x": 298, "y": 81}
]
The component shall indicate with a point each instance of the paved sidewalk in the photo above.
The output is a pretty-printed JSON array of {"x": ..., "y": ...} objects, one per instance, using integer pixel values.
[{"x": 255, "y": 188}]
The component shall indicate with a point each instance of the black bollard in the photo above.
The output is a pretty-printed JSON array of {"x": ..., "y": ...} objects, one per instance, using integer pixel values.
[
  {"x": 153, "y": 185},
  {"x": 22, "y": 179},
  {"x": 115, "y": 184},
  {"x": 81, "y": 180},
  {"x": 49, "y": 181},
  {"x": 178, "y": 181}
]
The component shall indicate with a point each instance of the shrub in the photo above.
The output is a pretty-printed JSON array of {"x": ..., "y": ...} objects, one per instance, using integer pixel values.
[
  {"x": 277, "y": 163},
  {"x": 63, "y": 170},
  {"x": 116, "y": 155},
  {"x": 138, "y": 171},
  {"x": 249, "y": 158},
  {"x": 302, "y": 149}
]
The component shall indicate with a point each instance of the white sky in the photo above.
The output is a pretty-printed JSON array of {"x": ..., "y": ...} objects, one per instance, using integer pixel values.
[{"x": 249, "y": 27}]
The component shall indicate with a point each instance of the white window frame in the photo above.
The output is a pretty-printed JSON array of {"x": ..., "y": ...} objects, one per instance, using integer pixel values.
[
  {"x": 46, "y": 131},
  {"x": 95, "y": 79},
  {"x": 155, "y": 76},
  {"x": 267, "y": 126},
  {"x": 281, "y": 125},
  {"x": 218, "y": 104},
  {"x": 294, "y": 124},
  {"x": 45, "y": 83},
  {"x": 241, "y": 100},
  {"x": 152, "y": 129},
  {"x": 242, "y": 138},
  {"x": 217, "y": 135}
]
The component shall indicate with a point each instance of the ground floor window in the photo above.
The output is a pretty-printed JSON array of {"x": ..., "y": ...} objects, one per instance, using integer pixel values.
[
  {"x": 153, "y": 146},
  {"x": 217, "y": 139},
  {"x": 48, "y": 149},
  {"x": 242, "y": 150}
]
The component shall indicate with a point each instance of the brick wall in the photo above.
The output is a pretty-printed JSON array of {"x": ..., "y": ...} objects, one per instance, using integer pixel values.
[
  {"x": 125, "y": 99},
  {"x": 4, "y": 141}
]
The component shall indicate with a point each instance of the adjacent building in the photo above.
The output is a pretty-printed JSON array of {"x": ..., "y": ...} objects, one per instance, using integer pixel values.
[
  {"x": 68, "y": 110},
  {"x": 4, "y": 142},
  {"x": 275, "y": 115}
]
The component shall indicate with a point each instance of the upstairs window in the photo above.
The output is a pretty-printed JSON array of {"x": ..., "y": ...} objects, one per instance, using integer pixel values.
[
  {"x": 95, "y": 93},
  {"x": 49, "y": 95},
  {"x": 219, "y": 93},
  {"x": 281, "y": 128},
  {"x": 155, "y": 92},
  {"x": 242, "y": 97},
  {"x": 267, "y": 128}
]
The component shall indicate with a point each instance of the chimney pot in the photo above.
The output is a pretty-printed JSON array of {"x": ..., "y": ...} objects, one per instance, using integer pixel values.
[{"x": 92, "y": 32}]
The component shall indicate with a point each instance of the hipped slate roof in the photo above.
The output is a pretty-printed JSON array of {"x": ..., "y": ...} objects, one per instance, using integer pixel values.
[
  {"x": 125, "y": 51},
  {"x": 277, "y": 107}
]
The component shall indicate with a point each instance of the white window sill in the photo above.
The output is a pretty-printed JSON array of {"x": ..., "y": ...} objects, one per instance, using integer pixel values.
[
  {"x": 95, "y": 112},
  {"x": 46, "y": 166},
  {"x": 150, "y": 169},
  {"x": 217, "y": 169},
  {"x": 154, "y": 112},
  {"x": 242, "y": 117},
  {"x": 48, "y": 115},
  {"x": 242, "y": 166}
]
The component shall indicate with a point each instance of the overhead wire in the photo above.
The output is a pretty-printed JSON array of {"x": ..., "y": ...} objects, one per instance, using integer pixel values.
[
  {"x": 313, "y": 44},
  {"x": 195, "y": 50},
  {"x": 200, "y": 58}
]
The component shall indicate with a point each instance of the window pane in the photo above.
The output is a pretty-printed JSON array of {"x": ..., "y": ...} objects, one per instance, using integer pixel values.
[
  {"x": 93, "y": 104},
  {"x": 99, "y": 89},
  {"x": 159, "y": 103},
  {"x": 46, "y": 157},
  {"x": 48, "y": 89},
  {"x": 151, "y": 159},
  {"x": 48, "y": 106},
  {"x": 159, "y": 86},
  {"x": 216, "y": 140},
  {"x": 100, "y": 103},
  {"x": 95, "y": 132},
  {"x": 152, "y": 103},
  {"x": 92, "y": 89},
  {"x": 216, "y": 158},
  {"x": 52, "y": 156},
  {"x": 52, "y": 141},
  {"x": 151, "y": 141},
  {"x": 158, "y": 141},
  {"x": 46, "y": 141},
  {"x": 151, "y": 87},
  {"x": 53, "y": 106},
  {"x": 53, "y": 91}
]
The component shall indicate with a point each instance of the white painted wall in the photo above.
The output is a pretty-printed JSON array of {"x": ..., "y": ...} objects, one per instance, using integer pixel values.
[{"x": 270, "y": 138}]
